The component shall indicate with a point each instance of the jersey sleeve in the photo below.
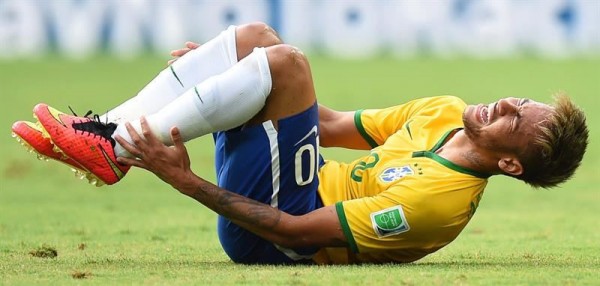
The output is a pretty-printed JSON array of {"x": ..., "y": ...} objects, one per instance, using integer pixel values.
[
  {"x": 395, "y": 219},
  {"x": 376, "y": 125}
]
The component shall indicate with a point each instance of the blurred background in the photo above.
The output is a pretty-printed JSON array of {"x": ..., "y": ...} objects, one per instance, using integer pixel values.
[{"x": 352, "y": 28}]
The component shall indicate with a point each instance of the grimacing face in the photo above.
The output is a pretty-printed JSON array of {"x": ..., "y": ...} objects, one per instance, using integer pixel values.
[{"x": 508, "y": 125}]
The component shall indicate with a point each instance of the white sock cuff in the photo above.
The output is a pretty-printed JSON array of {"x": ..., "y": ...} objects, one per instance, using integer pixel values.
[
  {"x": 264, "y": 69},
  {"x": 212, "y": 58},
  {"x": 234, "y": 97},
  {"x": 230, "y": 44}
]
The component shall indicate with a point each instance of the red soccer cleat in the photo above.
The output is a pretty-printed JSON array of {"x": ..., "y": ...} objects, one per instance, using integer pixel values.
[
  {"x": 85, "y": 140},
  {"x": 29, "y": 134}
]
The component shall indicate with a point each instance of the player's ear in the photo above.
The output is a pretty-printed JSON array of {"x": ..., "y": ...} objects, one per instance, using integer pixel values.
[{"x": 511, "y": 166}]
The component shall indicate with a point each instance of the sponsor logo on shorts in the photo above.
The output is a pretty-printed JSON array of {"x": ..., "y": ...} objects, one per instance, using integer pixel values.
[
  {"x": 395, "y": 173},
  {"x": 312, "y": 131},
  {"x": 390, "y": 221}
]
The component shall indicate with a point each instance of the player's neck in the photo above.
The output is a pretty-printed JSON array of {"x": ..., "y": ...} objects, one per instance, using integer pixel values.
[{"x": 460, "y": 150}]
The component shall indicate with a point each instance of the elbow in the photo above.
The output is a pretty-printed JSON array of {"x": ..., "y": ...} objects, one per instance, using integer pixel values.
[
  {"x": 293, "y": 235},
  {"x": 298, "y": 244},
  {"x": 293, "y": 241}
]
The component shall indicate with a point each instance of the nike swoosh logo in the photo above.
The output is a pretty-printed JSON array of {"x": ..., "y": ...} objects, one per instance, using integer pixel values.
[
  {"x": 407, "y": 126},
  {"x": 56, "y": 114},
  {"x": 313, "y": 130},
  {"x": 112, "y": 164}
]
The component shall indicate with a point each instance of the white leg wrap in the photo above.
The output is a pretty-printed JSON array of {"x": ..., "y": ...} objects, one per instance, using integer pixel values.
[
  {"x": 212, "y": 58},
  {"x": 220, "y": 103}
]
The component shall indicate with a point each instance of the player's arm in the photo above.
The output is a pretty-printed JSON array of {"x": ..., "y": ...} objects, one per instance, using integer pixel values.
[
  {"x": 172, "y": 165},
  {"x": 337, "y": 129},
  {"x": 320, "y": 227}
]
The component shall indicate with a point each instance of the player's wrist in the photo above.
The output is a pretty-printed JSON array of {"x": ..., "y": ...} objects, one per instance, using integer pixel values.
[{"x": 187, "y": 183}]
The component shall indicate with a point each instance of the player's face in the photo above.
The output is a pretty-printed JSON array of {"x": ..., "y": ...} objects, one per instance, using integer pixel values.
[{"x": 507, "y": 125}]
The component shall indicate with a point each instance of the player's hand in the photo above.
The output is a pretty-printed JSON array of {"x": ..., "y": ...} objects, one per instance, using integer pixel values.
[
  {"x": 179, "y": 53},
  {"x": 170, "y": 164}
]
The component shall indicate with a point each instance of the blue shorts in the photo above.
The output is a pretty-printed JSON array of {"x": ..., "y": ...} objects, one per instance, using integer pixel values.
[{"x": 275, "y": 167}]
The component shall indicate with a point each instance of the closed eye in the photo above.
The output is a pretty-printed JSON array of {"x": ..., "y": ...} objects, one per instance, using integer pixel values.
[{"x": 515, "y": 121}]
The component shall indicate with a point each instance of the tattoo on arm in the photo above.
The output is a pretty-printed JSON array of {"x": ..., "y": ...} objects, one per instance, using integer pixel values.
[
  {"x": 257, "y": 213},
  {"x": 236, "y": 207},
  {"x": 321, "y": 229}
]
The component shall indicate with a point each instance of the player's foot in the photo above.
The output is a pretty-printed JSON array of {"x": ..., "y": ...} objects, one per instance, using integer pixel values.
[
  {"x": 85, "y": 140},
  {"x": 29, "y": 134}
]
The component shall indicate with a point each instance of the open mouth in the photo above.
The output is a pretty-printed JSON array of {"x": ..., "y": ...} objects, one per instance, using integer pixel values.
[
  {"x": 486, "y": 113},
  {"x": 483, "y": 115}
]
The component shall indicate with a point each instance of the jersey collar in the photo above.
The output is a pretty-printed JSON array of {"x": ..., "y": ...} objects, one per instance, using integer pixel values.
[{"x": 432, "y": 155}]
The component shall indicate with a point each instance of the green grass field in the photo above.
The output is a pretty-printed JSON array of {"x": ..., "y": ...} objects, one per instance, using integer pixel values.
[{"x": 142, "y": 232}]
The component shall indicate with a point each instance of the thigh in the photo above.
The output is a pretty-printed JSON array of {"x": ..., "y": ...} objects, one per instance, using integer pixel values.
[{"x": 273, "y": 166}]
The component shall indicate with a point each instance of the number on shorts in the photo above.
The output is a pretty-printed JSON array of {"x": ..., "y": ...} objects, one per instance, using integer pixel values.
[{"x": 312, "y": 164}]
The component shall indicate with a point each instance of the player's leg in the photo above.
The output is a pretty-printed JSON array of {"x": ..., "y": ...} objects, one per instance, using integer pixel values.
[
  {"x": 273, "y": 158},
  {"x": 219, "y": 103},
  {"x": 281, "y": 76},
  {"x": 261, "y": 87},
  {"x": 211, "y": 58}
]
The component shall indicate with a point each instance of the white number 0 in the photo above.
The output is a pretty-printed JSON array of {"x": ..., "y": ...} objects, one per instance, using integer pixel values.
[{"x": 312, "y": 164}]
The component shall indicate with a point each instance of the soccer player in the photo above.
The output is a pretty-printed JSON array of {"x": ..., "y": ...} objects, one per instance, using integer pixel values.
[{"x": 278, "y": 200}]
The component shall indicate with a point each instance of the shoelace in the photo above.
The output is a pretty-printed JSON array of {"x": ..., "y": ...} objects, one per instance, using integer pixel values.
[
  {"x": 95, "y": 117},
  {"x": 95, "y": 126}
]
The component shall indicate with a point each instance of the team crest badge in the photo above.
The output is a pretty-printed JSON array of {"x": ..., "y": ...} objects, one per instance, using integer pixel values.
[{"x": 395, "y": 173}]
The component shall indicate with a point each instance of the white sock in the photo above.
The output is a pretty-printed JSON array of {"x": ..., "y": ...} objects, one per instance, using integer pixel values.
[
  {"x": 220, "y": 103},
  {"x": 212, "y": 58}
]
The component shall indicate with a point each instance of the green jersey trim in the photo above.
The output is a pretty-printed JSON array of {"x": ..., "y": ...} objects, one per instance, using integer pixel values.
[
  {"x": 432, "y": 155},
  {"x": 440, "y": 142},
  {"x": 361, "y": 129},
  {"x": 339, "y": 207}
]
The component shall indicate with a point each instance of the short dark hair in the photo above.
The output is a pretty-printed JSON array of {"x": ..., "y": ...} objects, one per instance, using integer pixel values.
[{"x": 558, "y": 147}]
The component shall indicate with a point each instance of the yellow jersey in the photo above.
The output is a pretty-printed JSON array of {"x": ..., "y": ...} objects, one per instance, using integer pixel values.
[{"x": 402, "y": 201}]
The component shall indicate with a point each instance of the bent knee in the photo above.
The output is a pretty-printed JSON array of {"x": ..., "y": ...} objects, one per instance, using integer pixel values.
[
  {"x": 292, "y": 86},
  {"x": 287, "y": 59},
  {"x": 258, "y": 34}
]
